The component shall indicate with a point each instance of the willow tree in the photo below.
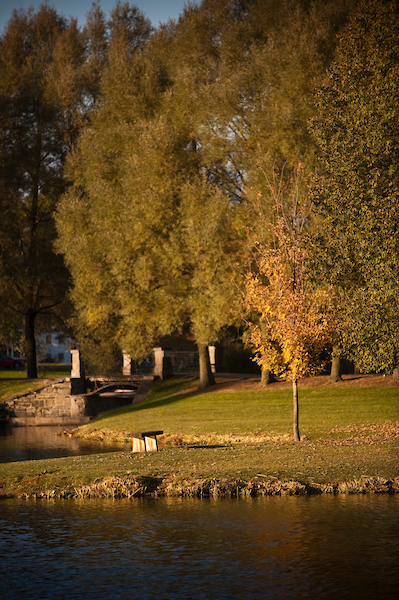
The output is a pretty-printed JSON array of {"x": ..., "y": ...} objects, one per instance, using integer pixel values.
[
  {"x": 97, "y": 232},
  {"x": 212, "y": 245},
  {"x": 156, "y": 251},
  {"x": 255, "y": 93}
]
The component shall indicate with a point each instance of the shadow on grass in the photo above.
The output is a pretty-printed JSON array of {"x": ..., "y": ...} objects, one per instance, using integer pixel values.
[
  {"x": 206, "y": 446},
  {"x": 169, "y": 392}
]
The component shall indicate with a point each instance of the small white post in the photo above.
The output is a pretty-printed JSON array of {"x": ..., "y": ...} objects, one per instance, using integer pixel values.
[
  {"x": 77, "y": 369},
  {"x": 212, "y": 357},
  {"x": 127, "y": 364}
]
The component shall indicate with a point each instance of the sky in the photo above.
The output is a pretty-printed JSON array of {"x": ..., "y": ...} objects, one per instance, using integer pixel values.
[{"x": 156, "y": 10}]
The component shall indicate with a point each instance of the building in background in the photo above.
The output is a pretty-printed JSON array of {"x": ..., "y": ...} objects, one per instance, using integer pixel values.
[{"x": 54, "y": 346}]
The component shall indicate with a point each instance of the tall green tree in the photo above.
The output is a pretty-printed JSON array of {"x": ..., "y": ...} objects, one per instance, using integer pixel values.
[
  {"x": 111, "y": 223},
  {"x": 161, "y": 230},
  {"x": 50, "y": 74},
  {"x": 357, "y": 192},
  {"x": 39, "y": 115},
  {"x": 268, "y": 60}
]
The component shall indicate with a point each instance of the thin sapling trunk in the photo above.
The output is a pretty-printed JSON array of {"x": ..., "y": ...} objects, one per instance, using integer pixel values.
[{"x": 297, "y": 437}]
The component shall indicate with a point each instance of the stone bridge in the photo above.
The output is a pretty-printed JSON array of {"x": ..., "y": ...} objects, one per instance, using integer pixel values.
[{"x": 55, "y": 405}]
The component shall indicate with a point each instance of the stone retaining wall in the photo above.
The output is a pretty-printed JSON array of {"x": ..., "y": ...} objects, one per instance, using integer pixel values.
[{"x": 51, "y": 405}]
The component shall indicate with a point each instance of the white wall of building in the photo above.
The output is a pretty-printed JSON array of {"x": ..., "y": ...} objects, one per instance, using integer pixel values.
[{"x": 54, "y": 346}]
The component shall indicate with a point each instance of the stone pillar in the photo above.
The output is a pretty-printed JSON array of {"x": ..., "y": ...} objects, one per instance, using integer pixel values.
[
  {"x": 78, "y": 379},
  {"x": 127, "y": 365},
  {"x": 216, "y": 358},
  {"x": 212, "y": 357},
  {"x": 163, "y": 363}
]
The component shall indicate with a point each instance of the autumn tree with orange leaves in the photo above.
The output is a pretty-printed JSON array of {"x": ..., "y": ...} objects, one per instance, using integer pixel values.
[{"x": 289, "y": 319}]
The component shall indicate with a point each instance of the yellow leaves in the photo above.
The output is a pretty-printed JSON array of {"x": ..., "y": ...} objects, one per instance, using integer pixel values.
[{"x": 289, "y": 324}]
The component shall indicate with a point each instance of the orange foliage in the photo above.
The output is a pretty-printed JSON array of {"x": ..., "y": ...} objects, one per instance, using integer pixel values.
[{"x": 289, "y": 325}]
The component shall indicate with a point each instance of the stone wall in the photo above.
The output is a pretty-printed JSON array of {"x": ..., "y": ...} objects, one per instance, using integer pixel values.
[{"x": 51, "y": 405}]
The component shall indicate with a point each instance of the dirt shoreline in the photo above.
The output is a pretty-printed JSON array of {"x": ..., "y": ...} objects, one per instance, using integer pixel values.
[{"x": 155, "y": 487}]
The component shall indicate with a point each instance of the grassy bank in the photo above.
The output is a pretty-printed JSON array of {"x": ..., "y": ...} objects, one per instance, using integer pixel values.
[
  {"x": 14, "y": 382},
  {"x": 14, "y": 387},
  {"x": 235, "y": 439}
]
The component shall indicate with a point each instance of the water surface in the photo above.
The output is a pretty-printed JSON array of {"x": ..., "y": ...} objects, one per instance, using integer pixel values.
[
  {"x": 32, "y": 443},
  {"x": 293, "y": 547}
]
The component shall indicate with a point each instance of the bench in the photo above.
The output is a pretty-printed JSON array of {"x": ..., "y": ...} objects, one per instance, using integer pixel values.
[{"x": 145, "y": 441}]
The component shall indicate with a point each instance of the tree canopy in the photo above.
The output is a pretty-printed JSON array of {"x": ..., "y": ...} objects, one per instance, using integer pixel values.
[
  {"x": 163, "y": 171},
  {"x": 157, "y": 142},
  {"x": 39, "y": 119},
  {"x": 157, "y": 227},
  {"x": 50, "y": 72},
  {"x": 356, "y": 195}
]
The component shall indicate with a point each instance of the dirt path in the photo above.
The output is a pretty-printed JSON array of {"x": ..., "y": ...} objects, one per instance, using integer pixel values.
[{"x": 247, "y": 382}]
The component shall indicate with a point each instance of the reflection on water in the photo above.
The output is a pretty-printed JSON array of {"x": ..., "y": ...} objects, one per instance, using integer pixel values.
[
  {"x": 32, "y": 443},
  {"x": 294, "y": 547}
]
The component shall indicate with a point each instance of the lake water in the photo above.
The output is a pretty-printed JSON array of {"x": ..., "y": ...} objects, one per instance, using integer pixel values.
[
  {"x": 32, "y": 443},
  {"x": 166, "y": 549}
]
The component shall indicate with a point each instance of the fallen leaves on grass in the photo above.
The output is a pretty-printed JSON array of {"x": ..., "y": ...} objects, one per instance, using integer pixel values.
[
  {"x": 110, "y": 435},
  {"x": 222, "y": 439},
  {"x": 380, "y": 433},
  {"x": 387, "y": 429}
]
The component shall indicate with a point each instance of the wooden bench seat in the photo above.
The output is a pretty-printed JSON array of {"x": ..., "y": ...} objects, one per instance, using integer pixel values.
[{"x": 145, "y": 441}]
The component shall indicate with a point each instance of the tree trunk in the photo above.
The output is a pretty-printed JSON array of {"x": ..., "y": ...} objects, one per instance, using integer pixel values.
[
  {"x": 335, "y": 374},
  {"x": 395, "y": 374},
  {"x": 297, "y": 437},
  {"x": 266, "y": 377},
  {"x": 206, "y": 375},
  {"x": 30, "y": 344}
]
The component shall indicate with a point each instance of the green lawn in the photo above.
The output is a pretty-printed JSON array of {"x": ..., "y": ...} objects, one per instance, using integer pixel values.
[
  {"x": 12, "y": 387},
  {"x": 14, "y": 382},
  {"x": 12, "y": 374},
  {"x": 269, "y": 412}
]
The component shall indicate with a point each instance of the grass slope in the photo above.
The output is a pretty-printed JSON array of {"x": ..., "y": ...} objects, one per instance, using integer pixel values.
[
  {"x": 15, "y": 382},
  {"x": 176, "y": 407},
  {"x": 15, "y": 387}
]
